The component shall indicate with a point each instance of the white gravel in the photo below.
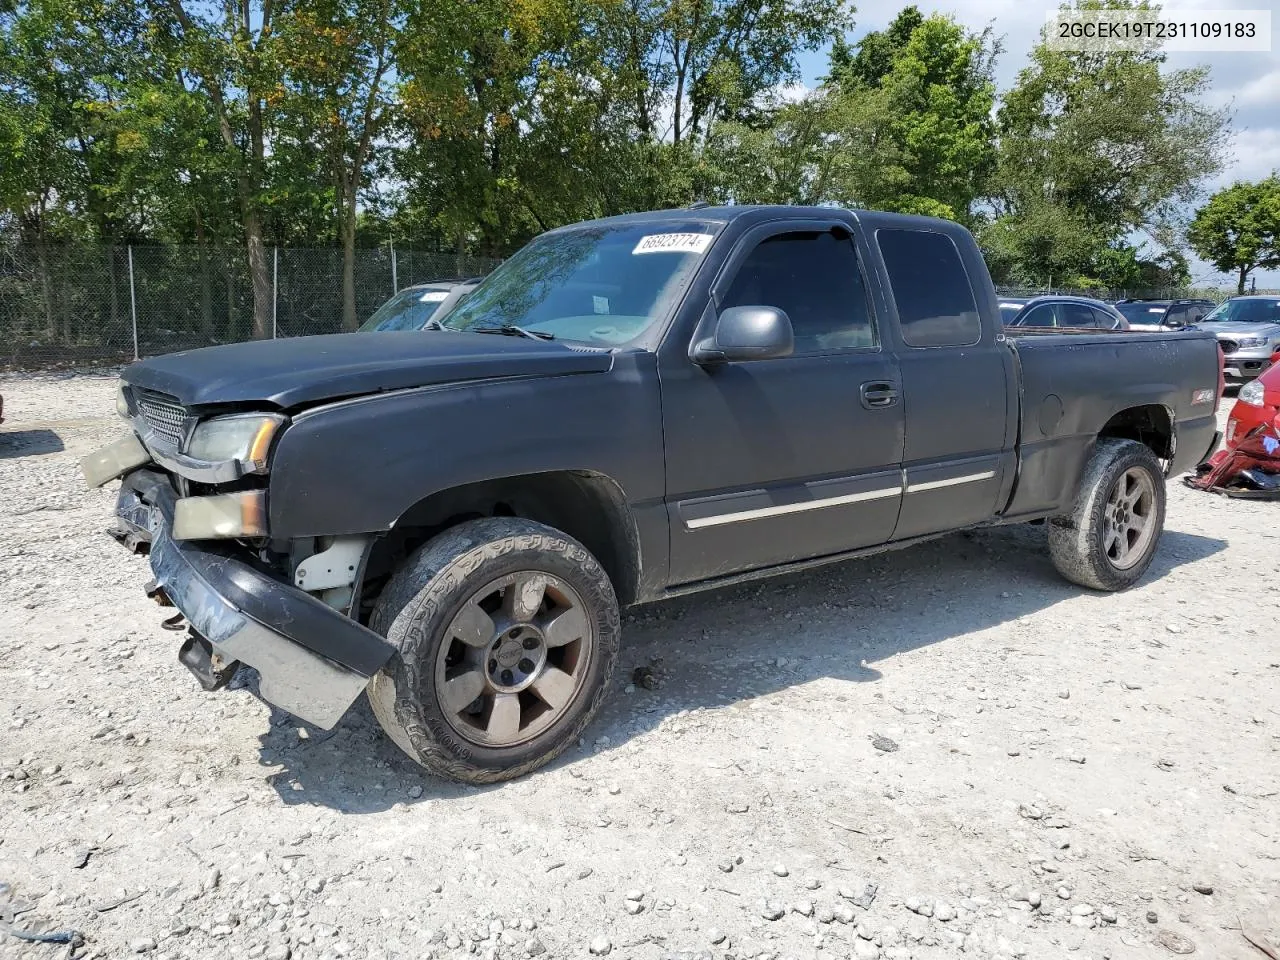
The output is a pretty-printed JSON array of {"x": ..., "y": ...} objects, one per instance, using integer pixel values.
[{"x": 1068, "y": 765}]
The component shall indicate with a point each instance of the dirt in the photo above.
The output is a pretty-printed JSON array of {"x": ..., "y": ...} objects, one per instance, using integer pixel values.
[{"x": 939, "y": 752}]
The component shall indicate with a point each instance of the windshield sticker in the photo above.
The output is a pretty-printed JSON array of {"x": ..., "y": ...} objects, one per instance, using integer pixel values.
[
  {"x": 673, "y": 243},
  {"x": 1155, "y": 310},
  {"x": 600, "y": 304},
  {"x": 433, "y": 296}
]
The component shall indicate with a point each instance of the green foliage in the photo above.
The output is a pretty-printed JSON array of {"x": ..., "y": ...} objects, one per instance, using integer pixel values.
[
  {"x": 1093, "y": 147},
  {"x": 1238, "y": 230}
]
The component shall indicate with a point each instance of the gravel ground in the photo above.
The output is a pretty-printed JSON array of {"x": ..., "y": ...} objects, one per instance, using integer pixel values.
[{"x": 940, "y": 752}]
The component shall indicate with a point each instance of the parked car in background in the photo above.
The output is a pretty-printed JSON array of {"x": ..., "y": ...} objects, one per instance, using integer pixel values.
[
  {"x": 1248, "y": 330},
  {"x": 1258, "y": 402},
  {"x": 1060, "y": 312},
  {"x": 414, "y": 307},
  {"x": 1163, "y": 314}
]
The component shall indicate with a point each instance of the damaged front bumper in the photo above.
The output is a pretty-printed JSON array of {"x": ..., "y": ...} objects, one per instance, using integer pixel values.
[{"x": 313, "y": 661}]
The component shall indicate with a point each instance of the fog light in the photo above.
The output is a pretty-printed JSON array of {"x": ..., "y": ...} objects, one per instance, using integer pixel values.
[{"x": 226, "y": 515}]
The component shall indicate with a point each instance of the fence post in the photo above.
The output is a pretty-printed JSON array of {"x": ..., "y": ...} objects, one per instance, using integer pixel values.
[
  {"x": 395, "y": 281},
  {"x": 133, "y": 304},
  {"x": 275, "y": 287}
]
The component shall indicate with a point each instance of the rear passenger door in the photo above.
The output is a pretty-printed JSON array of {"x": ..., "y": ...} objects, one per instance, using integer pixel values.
[{"x": 956, "y": 376}]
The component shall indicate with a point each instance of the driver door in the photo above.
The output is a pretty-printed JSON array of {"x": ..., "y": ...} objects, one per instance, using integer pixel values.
[{"x": 772, "y": 461}]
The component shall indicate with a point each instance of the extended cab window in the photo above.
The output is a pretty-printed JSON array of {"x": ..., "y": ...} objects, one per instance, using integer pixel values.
[
  {"x": 935, "y": 302},
  {"x": 1076, "y": 315},
  {"x": 814, "y": 277}
]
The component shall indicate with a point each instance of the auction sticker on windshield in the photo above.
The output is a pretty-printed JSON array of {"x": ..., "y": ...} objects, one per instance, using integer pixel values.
[
  {"x": 433, "y": 296},
  {"x": 673, "y": 243}
]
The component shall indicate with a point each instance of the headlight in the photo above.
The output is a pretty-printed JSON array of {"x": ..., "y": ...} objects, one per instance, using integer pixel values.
[
  {"x": 218, "y": 517},
  {"x": 1251, "y": 393},
  {"x": 1252, "y": 341},
  {"x": 244, "y": 437},
  {"x": 122, "y": 403}
]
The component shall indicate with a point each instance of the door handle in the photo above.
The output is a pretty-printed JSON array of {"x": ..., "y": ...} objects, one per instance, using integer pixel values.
[{"x": 879, "y": 393}]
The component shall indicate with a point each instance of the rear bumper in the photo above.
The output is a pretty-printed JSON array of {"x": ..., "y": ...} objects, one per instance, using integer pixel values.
[{"x": 313, "y": 661}]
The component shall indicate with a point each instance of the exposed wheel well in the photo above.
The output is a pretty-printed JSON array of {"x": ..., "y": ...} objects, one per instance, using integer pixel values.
[
  {"x": 587, "y": 506},
  {"x": 1150, "y": 425}
]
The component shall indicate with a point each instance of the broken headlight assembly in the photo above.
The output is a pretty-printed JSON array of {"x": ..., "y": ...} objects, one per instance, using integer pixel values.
[
  {"x": 242, "y": 437},
  {"x": 1252, "y": 393}
]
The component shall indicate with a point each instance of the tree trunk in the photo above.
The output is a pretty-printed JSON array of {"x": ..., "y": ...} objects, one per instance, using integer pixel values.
[
  {"x": 1244, "y": 275},
  {"x": 233, "y": 333},
  {"x": 349, "y": 251},
  {"x": 259, "y": 274},
  {"x": 46, "y": 284},
  {"x": 206, "y": 291}
]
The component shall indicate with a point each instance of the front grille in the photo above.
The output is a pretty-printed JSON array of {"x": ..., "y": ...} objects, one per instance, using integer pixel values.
[
  {"x": 164, "y": 415},
  {"x": 1228, "y": 346}
]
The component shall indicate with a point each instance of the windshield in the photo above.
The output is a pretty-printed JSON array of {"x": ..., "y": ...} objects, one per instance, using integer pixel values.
[
  {"x": 408, "y": 310},
  {"x": 603, "y": 285},
  {"x": 1142, "y": 312},
  {"x": 1246, "y": 311}
]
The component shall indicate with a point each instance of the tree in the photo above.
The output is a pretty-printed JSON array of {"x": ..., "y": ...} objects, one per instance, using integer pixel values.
[
  {"x": 1097, "y": 145},
  {"x": 1238, "y": 230},
  {"x": 230, "y": 56},
  {"x": 336, "y": 60}
]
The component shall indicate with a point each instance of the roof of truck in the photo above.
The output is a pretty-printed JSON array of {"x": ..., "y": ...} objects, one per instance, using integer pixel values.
[{"x": 725, "y": 214}]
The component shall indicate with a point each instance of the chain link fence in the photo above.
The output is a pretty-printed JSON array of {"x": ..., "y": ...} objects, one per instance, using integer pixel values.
[
  {"x": 78, "y": 304},
  {"x": 1216, "y": 294}
]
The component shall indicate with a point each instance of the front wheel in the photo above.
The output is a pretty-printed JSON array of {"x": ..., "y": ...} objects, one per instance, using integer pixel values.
[
  {"x": 507, "y": 632},
  {"x": 1111, "y": 535}
]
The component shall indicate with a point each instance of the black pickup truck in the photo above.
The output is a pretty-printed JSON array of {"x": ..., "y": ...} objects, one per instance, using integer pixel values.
[{"x": 626, "y": 410}]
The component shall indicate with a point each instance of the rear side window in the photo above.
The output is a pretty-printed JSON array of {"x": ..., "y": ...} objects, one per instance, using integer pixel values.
[
  {"x": 936, "y": 307},
  {"x": 1105, "y": 320},
  {"x": 1076, "y": 315},
  {"x": 1041, "y": 316}
]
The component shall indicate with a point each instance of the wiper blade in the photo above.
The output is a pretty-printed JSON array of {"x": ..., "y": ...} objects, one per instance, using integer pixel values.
[
  {"x": 434, "y": 324},
  {"x": 511, "y": 330}
]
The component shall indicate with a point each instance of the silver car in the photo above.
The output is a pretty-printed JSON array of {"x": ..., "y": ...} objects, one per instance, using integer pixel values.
[{"x": 1248, "y": 330}]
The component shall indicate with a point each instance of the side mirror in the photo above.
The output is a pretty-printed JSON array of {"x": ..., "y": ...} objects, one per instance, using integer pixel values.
[{"x": 747, "y": 333}]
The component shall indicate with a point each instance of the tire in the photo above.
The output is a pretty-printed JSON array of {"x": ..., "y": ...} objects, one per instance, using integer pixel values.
[
  {"x": 489, "y": 607},
  {"x": 1094, "y": 546}
]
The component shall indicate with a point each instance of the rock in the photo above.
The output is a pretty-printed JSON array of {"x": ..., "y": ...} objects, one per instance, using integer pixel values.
[
  {"x": 533, "y": 947},
  {"x": 780, "y": 870},
  {"x": 865, "y": 950},
  {"x": 813, "y": 883},
  {"x": 1152, "y": 917},
  {"x": 726, "y": 866},
  {"x": 803, "y": 907},
  {"x": 1076, "y": 758},
  {"x": 943, "y": 911},
  {"x": 635, "y": 893},
  {"x": 883, "y": 743},
  {"x": 1029, "y": 811},
  {"x": 142, "y": 945},
  {"x": 1033, "y": 898},
  {"x": 315, "y": 884},
  {"x": 1174, "y": 942},
  {"x": 738, "y": 807},
  {"x": 1203, "y": 888},
  {"x": 415, "y": 791},
  {"x": 633, "y": 907},
  {"x": 277, "y": 951},
  {"x": 600, "y": 946},
  {"x": 772, "y": 911},
  {"x": 1064, "y": 893},
  {"x": 1173, "y": 628},
  {"x": 1082, "y": 910},
  {"x": 80, "y": 856},
  {"x": 1108, "y": 914},
  {"x": 211, "y": 879},
  {"x": 715, "y": 936},
  {"x": 843, "y": 913},
  {"x": 1065, "y": 694},
  {"x": 824, "y": 914}
]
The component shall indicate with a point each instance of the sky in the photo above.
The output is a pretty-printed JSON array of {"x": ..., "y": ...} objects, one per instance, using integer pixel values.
[{"x": 1247, "y": 82}]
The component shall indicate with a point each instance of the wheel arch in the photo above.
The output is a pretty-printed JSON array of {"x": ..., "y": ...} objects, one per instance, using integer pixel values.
[
  {"x": 1150, "y": 424},
  {"x": 589, "y": 506}
]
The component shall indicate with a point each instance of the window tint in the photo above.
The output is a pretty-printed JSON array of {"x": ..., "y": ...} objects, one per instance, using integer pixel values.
[
  {"x": 935, "y": 302},
  {"x": 1076, "y": 315},
  {"x": 1104, "y": 320},
  {"x": 1177, "y": 316},
  {"x": 814, "y": 277},
  {"x": 1041, "y": 316}
]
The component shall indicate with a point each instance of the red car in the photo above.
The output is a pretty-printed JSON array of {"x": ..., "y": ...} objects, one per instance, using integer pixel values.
[{"x": 1258, "y": 402}]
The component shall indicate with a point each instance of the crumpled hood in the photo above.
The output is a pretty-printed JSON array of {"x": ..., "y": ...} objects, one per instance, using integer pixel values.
[
  {"x": 1232, "y": 331},
  {"x": 304, "y": 370}
]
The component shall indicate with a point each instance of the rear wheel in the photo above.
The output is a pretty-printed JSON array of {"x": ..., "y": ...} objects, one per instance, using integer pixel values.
[
  {"x": 1111, "y": 535},
  {"x": 507, "y": 633}
]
